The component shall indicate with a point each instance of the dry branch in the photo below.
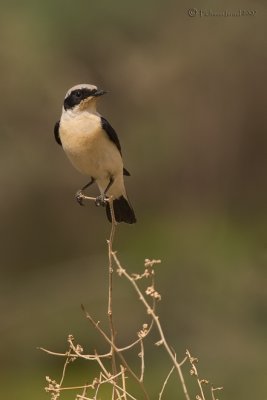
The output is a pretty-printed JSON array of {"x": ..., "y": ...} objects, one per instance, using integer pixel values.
[{"x": 114, "y": 369}]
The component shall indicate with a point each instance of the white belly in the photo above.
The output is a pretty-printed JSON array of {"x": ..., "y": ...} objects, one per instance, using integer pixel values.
[{"x": 92, "y": 153}]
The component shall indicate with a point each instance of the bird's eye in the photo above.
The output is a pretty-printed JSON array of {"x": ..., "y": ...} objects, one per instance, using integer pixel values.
[{"x": 78, "y": 93}]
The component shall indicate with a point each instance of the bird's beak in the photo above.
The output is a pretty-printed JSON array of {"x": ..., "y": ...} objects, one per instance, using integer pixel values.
[{"x": 99, "y": 92}]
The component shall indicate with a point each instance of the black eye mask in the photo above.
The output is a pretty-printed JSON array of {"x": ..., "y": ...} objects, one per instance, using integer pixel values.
[{"x": 76, "y": 96}]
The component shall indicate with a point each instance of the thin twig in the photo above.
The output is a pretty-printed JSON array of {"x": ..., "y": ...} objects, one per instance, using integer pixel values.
[
  {"x": 109, "y": 203},
  {"x": 118, "y": 388},
  {"x": 165, "y": 382},
  {"x": 83, "y": 395},
  {"x": 126, "y": 365},
  {"x": 107, "y": 380},
  {"x": 194, "y": 372},
  {"x": 141, "y": 335},
  {"x": 64, "y": 368},
  {"x": 157, "y": 322},
  {"x": 214, "y": 390},
  {"x": 107, "y": 374},
  {"x": 183, "y": 361},
  {"x": 123, "y": 382},
  {"x": 96, "y": 390},
  {"x": 110, "y": 286},
  {"x": 89, "y": 357},
  {"x": 142, "y": 356}
]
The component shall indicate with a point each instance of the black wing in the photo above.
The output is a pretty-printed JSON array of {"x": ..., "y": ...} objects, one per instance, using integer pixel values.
[
  {"x": 114, "y": 138},
  {"x": 111, "y": 133},
  {"x": 56, "y": 133},
  {"x": 125, "y": 172}
]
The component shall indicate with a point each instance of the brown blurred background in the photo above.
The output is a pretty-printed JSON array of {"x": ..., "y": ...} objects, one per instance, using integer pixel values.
[{"x": 187, "y": 96}]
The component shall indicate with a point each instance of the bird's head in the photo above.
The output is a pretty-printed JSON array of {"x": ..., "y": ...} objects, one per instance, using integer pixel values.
[{"x": 82, "y": 97}]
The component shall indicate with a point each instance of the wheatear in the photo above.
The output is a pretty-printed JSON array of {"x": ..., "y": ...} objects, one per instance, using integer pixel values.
[{"x": 93, "y": 147}]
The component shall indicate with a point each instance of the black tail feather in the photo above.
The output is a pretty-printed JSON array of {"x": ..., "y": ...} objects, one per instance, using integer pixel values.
[{"x": 123, "y": 211}]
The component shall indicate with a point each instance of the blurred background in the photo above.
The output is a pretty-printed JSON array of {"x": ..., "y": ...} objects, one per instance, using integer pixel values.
[{"x": 187, "y": 96}]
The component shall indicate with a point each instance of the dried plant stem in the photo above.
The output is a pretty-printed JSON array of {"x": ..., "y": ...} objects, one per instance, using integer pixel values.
[
  {"x": 124, "y": 362},
  {"x": 85, "y": 356},
  {"x": 113, "y": 367},
  {"x": 64, "y": 368},
  {"x": 194, "y": 372},
  {"x": 109, "y": 203},
  {"x": 214, "y": 390},
  {"x": 142, "y": 356},
  {"x": 123, "y": 383},
  {"x": 108, "y": 378},
  {"x": 151, "y": 312},
  {"x": 110, "y": 287},
  {"x": 165, "y": 382}
]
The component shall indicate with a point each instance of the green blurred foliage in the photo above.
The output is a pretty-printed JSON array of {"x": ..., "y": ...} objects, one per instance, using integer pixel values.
[{"x": 188, "y": 100}]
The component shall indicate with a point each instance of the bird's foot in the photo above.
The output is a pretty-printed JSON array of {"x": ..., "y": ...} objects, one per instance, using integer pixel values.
[
  {"x": 101, "y": 200},
  {"x": 79, "y": 197}
]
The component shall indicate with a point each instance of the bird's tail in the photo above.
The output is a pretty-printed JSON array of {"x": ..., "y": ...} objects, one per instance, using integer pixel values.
[{"x": 123, "y": 211}]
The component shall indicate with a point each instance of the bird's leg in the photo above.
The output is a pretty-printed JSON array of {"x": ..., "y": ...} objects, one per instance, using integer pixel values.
[
  {"x": 101, "y": 200},
  {"x": 79, "y": 195}
]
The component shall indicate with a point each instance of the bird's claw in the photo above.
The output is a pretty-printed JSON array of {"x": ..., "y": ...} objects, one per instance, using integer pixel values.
[
  {"x": 79, "y": 197},
  {"x": 100, "y": 201}
]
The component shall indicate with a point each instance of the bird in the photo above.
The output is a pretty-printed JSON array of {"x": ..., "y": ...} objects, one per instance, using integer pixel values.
[{"x": 93, "y": 147}]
